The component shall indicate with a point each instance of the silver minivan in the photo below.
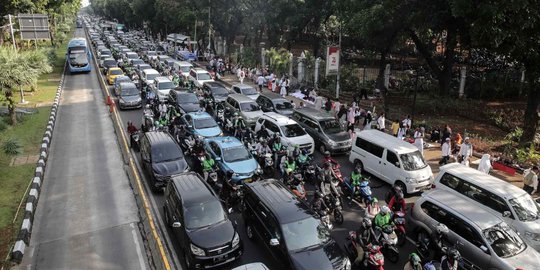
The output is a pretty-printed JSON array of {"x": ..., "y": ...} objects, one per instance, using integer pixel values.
[
  {"x": 484, "y": 240},
  {"x": 246, "y": 107}
]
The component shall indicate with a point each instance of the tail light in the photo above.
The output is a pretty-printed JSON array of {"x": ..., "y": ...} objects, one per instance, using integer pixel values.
[{"x": 433, "y": 186}]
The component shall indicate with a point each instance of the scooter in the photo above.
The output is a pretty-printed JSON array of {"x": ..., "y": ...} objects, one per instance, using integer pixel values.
[
  {"x": 268, "y": 166},
  {"x": 371, "y": 257},
  {"x": 388, "y": 239},
  {"x": 399, "y": 221},
  {"x": 334, "y": 204},
  {"x": 296, "y": 184},
  {"x": 365, "y": 192}
]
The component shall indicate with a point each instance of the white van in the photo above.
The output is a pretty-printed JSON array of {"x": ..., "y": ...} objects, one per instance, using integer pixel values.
[
  {"x": 148, "y": 76},
  {"x": 391, "y": 160},
  {"x": 290, "y": 132},
  {"x": 183, "y": 66},
  {"x": 503, "y": 199}
]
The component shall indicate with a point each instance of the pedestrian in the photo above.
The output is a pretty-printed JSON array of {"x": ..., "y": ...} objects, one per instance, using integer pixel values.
[
  {"x": 363, "y": 93},
  {"x": 242, "y": 75},
  {"x": 465, "y": 152},
  {"x": 283, "y": 89},
  {"x": 381, "y": 122},
  {"x": 446, "y": 133},
  {"x": 446, "y": 150},
  {"x": 530, "y": 181},
  {"x": 357, "y": 115},
  {"x": 419, "y": 140},
  {"x": 407, "y": 123},
  {"x": 328, "y": 105},
  {"x": 367, "y": 120},
  {"x": 485, "y": 164},
  {"x": 395, "y": 127},
  {"x": 274, "y": 85},
  {"x": 341, "y": 114},
  {"x": 351, "y": 116}
]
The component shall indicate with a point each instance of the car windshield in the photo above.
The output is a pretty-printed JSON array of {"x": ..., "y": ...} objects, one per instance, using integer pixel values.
[
  {"x": 283, "y": 105},
  {"x": 204, "y": 123},
  {"x": 116, "y": 72},
  {"x": 165, "y": 85},
  {"x": 185, "y": 69},
  {"x": 249, "y": 91},
  {"x": 249, "y": 107},
  {"x": 188, "y": 98},
  {"x": 304, "y": 234},
  {"x": 166, "y": 152},
  {"x": 525, "y": 207},
  {"x": 109, "y": 63},
  {"x": 331, "y": 126},
  {"x": 203, "y": 76},
  {"x": 293, "y": 130},
  {"x": 234, "y": 154},
  {"x": 130, "y": 91},
  {"x": 218, "y": 91},
  {"x": 413, "y": 161},
  {"x": 204, "y": 214},
  {"x": 132, "y": 56},
  {"x": 503, "y": 240},
  {"x": 151, "y": 77},
  {"x": 121, "y": 79},
  {"x": 151, "y": 53}
]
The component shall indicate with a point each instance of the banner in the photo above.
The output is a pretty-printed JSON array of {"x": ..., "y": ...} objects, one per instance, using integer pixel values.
[{"x": 332, "y": 60}]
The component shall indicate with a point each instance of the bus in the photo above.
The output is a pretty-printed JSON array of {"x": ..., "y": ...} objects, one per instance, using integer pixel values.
[{"x": 78, "y": 56}]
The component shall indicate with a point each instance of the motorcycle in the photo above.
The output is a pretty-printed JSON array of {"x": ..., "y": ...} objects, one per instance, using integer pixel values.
[
  {"x": 365, "y": 192},
  {"x": 427, "y": 247},
  {"x": 372, "y": 256},
  {"x": 334, "y": 203},
  {"x": 399, "y": 221},
  {"x": 296, "y": 184},
  {"x": 186, "y": 143},
  {"x": 213, "y": 180},
  {"x": 268, "y": 166},
  {"x": 325, "y": 219},
  {"x": 134, "y": 140},
  {"x": 388, "y": 239},
  {"x": 236, "y": 197}
]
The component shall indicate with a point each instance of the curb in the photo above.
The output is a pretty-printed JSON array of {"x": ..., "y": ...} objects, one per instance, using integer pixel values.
[{"x": 23, "y": 238}]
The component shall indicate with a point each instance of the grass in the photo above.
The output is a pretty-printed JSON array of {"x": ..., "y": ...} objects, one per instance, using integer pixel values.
[{"x": 29, "y": 132}]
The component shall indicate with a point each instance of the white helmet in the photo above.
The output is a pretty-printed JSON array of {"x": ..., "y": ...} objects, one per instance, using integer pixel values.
[{"x": 385, "y": 210}]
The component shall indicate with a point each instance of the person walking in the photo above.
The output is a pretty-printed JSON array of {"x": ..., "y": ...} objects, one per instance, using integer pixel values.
[
  {"x": 367, "y": 120},
  {"x": 446, "y": 150},
  {"x": 242, "y": 75},
  {"x": 381, "y": 122},
  {"x": 407, "y": 122},
  {"x": 283, "y": 89},
  {"x": 419, "y": 140},
  {"x": 485, "y": 164},
  {"x": 395, "y": 127},
  {"x": 446, "y": 133},
  {"x": 260, "y": 82},
  {"x": 530, "y": 181},
  {"x": 465, "y": 152},
  {"x": 328, "y": 105}
]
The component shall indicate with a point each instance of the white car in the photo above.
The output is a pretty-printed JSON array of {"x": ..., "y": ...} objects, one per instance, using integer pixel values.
[
  {"x": 199, "y": 76},
  {"x": 290, "y": 132},
  {"x": 161, "y": 87},
  {"x": 246, "y": 90}
]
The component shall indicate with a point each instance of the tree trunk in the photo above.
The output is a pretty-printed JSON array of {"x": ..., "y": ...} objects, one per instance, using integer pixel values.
[
  {"x": 11, "y": 107},
  {"x": 530, "y": 120}
]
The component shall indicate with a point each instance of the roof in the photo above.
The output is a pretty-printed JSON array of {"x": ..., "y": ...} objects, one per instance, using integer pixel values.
[
  {"x": 463, "y": 207},
  {"x": 243, "y": 86},
  {"x": 278, "y": 118},
  {"x": 192, "y": 188},
  {"x": 77, "y": 42},
  {"x": 280, "y": 200},
  {"x": 486, "y": 181},
  {"x": 241, "y": 98},
  {"x": 127, "y": 85},
  {"x": 115, "y": 68},
  {"x": 381, "y": 138},
  {"x": 214, "y": 84},
  {"x": 158, "y": 137},
  {"x": 161, "y": 79},
  {"x": 200, "y": 70},
  {"x": 273, "y": 96},
  {"x": 183, "y": 63},
  {"x": 151, "y": 71},
  {"x": 226, "y": 142},
  {"x": 199, "y": 115},
  {"x": 314, "y": 113},
  {"x": 122, "y": 78}
]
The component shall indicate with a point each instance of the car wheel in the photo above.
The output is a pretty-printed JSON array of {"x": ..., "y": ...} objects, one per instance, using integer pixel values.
[
  {"x": 359, "y": 165},
  {"x": 402, "y": 186},
  {"x": 249, "y": 231},
  {"x": 322, "y": 148}
]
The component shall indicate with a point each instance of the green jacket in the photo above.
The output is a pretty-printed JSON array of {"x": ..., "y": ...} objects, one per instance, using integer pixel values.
[
  {"x": 291, "y": 166},
  {"x": 380, "y": 220},
  {"x": 276, "y": 146},
  {"x": 208, "y": 164},
  {"x": 355, "y": 178}
]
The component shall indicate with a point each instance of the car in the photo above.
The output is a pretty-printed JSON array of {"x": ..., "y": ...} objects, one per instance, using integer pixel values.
[
  {"x": 199, "y": 76},
  {"x": 246, "y": 90},
  {"x": 129, "y": 96},
  {"x": 231, "y": 155},
  {"x": 112, "y": 73},
  {"x": 273, "y": 102},
  {"x": 141, "y": 67},
  {"x": 149, "y": 55},
  {"x": 201, "y": 125},
  {"x": 148, "y": 76},
  {"x": 183, "y": 67},
  {"x": 216, "y": 91},
  {"x": 161, "y": 158},
  {"x": 326, "y": 131},
  {"x": 161, "y": 87},
  {"x": 109, "y": 63},
  {"x": 206, "y": 235},
  {"x": 185, "y": 102},
  {"x": 117, "y": 81},
  {"x": 246, "y": 107},
  {"x": 288, "y": 228},
  {"x": 135, "y": 62},
  {"x": 102, "y": 58},
  {"x": 288, "y": 130},
  {"x": 103, "y": 52},
  {"x": 484, "y": 240}
]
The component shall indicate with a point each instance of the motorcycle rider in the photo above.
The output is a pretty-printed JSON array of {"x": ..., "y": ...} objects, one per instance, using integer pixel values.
[
  {"x": 392, "y": 192},
  {"x": 356, "y": 178},
  {"x": 303, "y": 158},
  {"x": 317, "y": 204},
  {"x": 276, "y": 148},
  {"x": 414, "y": 262},
  {"x": 208, "y": 166},
  {"x": 364, "y": 236},
  {"x": 397, "y": 203},
  {"x": 373, "y": 208},
  {"x": 263, "y": 133},
  {"x": 450, "y": 261},
  {"x": 228, "y": 187},
  {"x": 238, "y": 124},
  {"x": 328, "y": 159},
  {"x": 382, "y": 219},
  {"x": 288, "y": 164},
  {"x": 327, "y": 188}
]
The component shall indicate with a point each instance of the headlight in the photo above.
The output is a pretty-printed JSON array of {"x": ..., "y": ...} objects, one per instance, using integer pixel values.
[
  {"x": 197, "y": 251},
  {"x": 410, "y": 180},
  {"x": 347, "y": 264},
  {"x": 532, "y": 236},
  {"x": 235, "y": 240},
  {"x": 332, "y": 143}
]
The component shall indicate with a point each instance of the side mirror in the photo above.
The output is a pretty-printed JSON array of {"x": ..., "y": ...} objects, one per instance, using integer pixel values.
[
  {"x": 274, "y": 242},
  {"x": 506, "y": 214},
  {"x": 484, "y": 249},
  {"x": 218, "y": 159},
  {"x": 176, "y": 224},
  {"x": 189, "y": 126},
  {"x": 397, "y": 164},
  {"x": 230, "y": 210}
]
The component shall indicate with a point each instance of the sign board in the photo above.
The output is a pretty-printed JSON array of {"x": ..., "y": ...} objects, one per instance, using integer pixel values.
[
  {"x": 332, "y": 60},
  {"x": 34, "y": 26}
]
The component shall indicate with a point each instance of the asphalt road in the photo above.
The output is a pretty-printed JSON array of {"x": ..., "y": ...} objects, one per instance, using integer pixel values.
[{"x": 87, "y": 216}]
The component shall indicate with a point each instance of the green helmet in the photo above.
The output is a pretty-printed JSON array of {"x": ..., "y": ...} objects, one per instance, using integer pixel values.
[{"x": 414, "y": 259}]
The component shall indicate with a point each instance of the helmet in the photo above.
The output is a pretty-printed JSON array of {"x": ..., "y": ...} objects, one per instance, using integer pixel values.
[
  {"x": 235, "y": 114},
  {"x": 414, "y": 259},
  {"x": 453, "y": 255},
  {"x": 374, "y": 201},
  {"x": 356, "y": 170},
  {"x": 290, "y": 159},
  {"x": 398, "y": 189},
  {"x": 399, "y": 195},
  {"x": 318, "y": 194},
  {"x": 304, "y": 152},
  {"x": 326, "y": 153},
  {"x": 147, "y": 106},
  {"x": 366, "y": 222},
  {"x": 441, "y": 228},
  {"x": 385, "y": 210},
  {"x": 429, "y": 266},
  {"x": 261, "y": 140},
  {"x": 327, "y": 165}
]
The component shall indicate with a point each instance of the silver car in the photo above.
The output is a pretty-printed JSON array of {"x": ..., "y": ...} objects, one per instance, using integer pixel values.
[
  {"x": 484, "y": 240},
  {"x": 246, "y": 107}
]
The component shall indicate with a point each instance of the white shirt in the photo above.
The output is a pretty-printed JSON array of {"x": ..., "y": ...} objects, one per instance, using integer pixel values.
[
  {"x": 260, "y": 80},
  {"x": 466, "y": 149},
  {"x": 380, "y": 122},
  {"x": 446, "y": 149}
]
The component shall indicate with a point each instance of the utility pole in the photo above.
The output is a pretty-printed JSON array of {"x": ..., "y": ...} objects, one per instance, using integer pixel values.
[
  {"x": 339, "y": 53},
  {"x": 11, "y": 31}
]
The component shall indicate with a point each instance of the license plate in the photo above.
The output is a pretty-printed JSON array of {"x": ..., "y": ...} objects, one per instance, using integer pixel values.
[{"x": 220, "y": 259}]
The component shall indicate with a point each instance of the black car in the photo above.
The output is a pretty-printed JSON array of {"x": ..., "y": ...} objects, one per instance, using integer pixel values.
[
  {"x": 199, "y": 221},
  {"x": 273, "y": 102},
  {"x": 289, "y": 229},
  {"x": 161, "y": 158},
  {"x": 109, "y": 63},
  {"x": 216, "y": 91},
  {"x": 129, "y": 96},
  {"x": 185, "y": 102}
]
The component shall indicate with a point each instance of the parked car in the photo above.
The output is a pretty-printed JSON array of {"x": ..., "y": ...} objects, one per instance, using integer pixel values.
[
  {"x": 112, "y": 73},
  {"x": 483, "y": 240},
  {"x": 246, "y": 107},
  {"x": 161, "y": 87},
  {"x": 246, "y": 90},
  {"x": 273, "y": 102},
  {"x": 512, "y": 204},
  {"x": 288, "y": 228},
  {"x": 185, "y": 102},
  {"x": 206, "y": 235},
  {"x": 288, "y": 130},
  {"x": 201, "y": 125},
  {"x": 199, "y": 76},
  {"x": 230, "y": 154},
  {"x": 129, "y": 96},
  {"x": 161, "y": 158},
  {"x": 326, "y": 131},
  {"x": 216, "y": 91},
  {"x": 391, "y": 160}
]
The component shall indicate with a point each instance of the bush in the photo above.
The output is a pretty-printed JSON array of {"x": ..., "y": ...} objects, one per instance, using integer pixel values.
[
  {"x": 11, "y": 147},
  {"x": 3, "y": 125}
]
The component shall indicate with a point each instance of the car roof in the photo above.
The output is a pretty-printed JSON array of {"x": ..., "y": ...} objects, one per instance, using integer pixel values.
[
  {"x": 280, "y": 200},
  {"x": 384, "y": 139},
  {"x": 463, "y": 207},
  {"x": 486, "y": 181},
  {"x": 121, "y": 78},
  {"x": 184, "y": 63},
  {"x": 314, "y": 113},
  {"x": 241, "y": 98},
  {"x": 243, "y": 86},
  {"x": 214, "y": 84},
  {"x": 115, "y": 68},
  {"x": 225, "y": 142},
  {"x": 278, "y": 118},
  {"x": 127, "y": 85},
  {"x": 158, "y": 137},
  {"x": 273, "y": 96},
  {"x": 150, "y": 71},
  {"x": 192, "y": 188},
  {"x": 162, "y": 79},
  {"x": 199, "y": 115},
  {"x": 200, "y": 70}
]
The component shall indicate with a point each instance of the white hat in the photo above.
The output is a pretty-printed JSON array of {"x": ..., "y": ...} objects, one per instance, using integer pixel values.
[
  {"x": 466, "y": 138},
  {"x": 447, "y": 139}
]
